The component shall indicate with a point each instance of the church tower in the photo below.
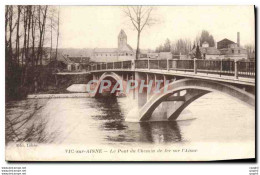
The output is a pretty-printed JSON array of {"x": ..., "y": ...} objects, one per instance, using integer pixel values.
[{"x": 122, "y": 39}]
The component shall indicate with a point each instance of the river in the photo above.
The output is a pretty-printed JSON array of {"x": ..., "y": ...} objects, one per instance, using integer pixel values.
[{"x": 89, "y": 121}]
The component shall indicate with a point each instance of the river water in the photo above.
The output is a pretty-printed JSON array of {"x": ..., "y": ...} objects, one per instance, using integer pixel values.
[{"x": 61, "y": 121}]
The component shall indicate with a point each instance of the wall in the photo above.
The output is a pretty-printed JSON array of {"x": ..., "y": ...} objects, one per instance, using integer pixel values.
[
  {"x": 209, "y": 57},
  {"x": 235, "y": 57},
  {"x": 165, "y": 55}
]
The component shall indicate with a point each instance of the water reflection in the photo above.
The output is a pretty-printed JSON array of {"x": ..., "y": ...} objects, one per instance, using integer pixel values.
[
  {"x": 23, "y": 123},
  {"x": 145, "y": 132},
  {"x": 158, "y": 132},
  {"x": 102, "y": 121},
  {"x": 148, "y": 132}
]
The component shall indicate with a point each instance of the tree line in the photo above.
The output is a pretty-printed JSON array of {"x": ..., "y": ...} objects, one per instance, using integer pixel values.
[
  {"x": 28, "y": 31},
  {"x": 184, "y": 46}
]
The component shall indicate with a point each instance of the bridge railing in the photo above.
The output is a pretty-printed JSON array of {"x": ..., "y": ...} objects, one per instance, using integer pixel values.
[
  {"x": 141, "y": 64},
  {"x": 153, "y": 64},
  {"x": 220, "y": 67},
  {"x": 127, "y": 64},
  {"x": 181, "y": 65},
  {"x": 246, "y": 68},
  {"x": 227, "y": 67},
  {"x": 98, "y": 66},
  {"x": 103, "y": 66},
  {"x": 110, "y": 66},
  {"x": 118, "y": 65}
]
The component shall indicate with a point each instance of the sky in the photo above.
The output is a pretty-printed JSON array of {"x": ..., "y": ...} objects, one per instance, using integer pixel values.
[{"x": 99, "y": 26}]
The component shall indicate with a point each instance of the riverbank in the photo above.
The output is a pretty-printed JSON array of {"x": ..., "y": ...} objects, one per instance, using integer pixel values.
[
  {"x": 78, "y": 88},
  {"x": 73, "y": 91},
  {"x": 69, "y": 95}
]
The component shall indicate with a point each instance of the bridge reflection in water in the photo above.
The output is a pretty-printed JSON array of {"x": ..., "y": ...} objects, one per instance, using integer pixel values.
[{"x": 147, "y": 132}]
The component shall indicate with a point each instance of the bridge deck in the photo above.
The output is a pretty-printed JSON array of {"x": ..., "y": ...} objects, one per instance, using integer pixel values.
[{"x": 200, "y": 75}]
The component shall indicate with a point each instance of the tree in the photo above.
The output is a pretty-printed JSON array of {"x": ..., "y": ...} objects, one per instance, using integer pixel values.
[
  {"x": 34, "y": 22},
  {"x": 140, "y": 16},
  {"x": 159, "y": 49},
  {"x": 53, "y": 31},
  {"x": 18, "y": 35},
  {"x": 26, "y": 28},
  {"x": 181, "y": 46},
  {"x": 167, "y": 45},
  {"x": 193, "y": 46},
  {"x": 250, "y": 48},
  {"x": 42, "y": 15},
  {"x": 58, "y": 34},
  {"x": 198, "y": 53},
  {"x": 205, "y": 36}
]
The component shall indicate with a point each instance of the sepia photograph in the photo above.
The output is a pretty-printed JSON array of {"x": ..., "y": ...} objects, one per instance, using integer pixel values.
[{"x": 130, "y": 83}]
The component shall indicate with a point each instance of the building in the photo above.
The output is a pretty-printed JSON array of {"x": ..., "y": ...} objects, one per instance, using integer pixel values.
[
  {"x": 153, "y": 55},
  {"x": 206, "y": 52},
  {"x": 180, "y": 57},
  {"x": 232, "y": 50},
  {"x": 123, "y": 52},
  {"x": 59, "y": 63},
  {"x": 149, "y": 54},
  {"x": 226, "y": 49},
  {"x": 165, "y": 55},
  {"x": 209, "y": 52},
  {"x": 224, "y": 43},
  {"x": 77, "y": 63}
]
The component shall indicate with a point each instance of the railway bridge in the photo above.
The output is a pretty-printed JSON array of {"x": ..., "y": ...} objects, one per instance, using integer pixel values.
[{"x": 169, "y": 86}]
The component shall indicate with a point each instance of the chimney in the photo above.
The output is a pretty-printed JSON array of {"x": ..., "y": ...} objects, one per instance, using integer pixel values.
[{"x": 238, "y": 39}]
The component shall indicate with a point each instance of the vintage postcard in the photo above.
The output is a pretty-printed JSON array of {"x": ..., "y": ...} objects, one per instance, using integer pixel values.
[{"x": 129, "y": 83}]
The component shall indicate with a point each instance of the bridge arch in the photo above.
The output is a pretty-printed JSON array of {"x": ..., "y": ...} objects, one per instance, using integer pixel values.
[
  {"x": 104, "y": 76},
  {"x": 197, "y": 88}
]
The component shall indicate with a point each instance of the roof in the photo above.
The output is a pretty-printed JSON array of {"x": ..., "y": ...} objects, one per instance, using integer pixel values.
[
  {"x": 60, "y": 57},
  {"x": 105, "y": 50},
  {"x": 64, "y": 59},
  {"x": 72, "y": 52},
  {"x": 79, "y": 59},
  {"x": 122, "y": 33},
  {"x": 207, "y": 50},
  {"x": 210, "y": 50},
  {"x": 130, "y": 47},
  {"x": 226, "y": 40}
]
